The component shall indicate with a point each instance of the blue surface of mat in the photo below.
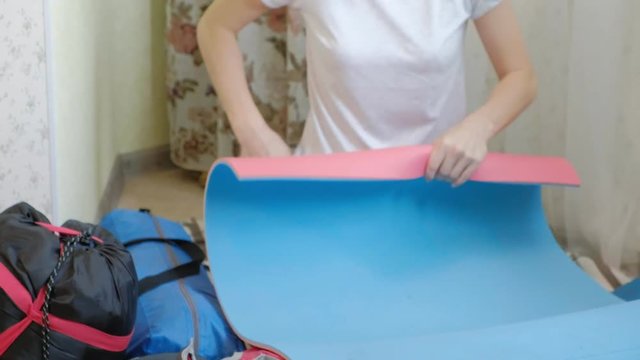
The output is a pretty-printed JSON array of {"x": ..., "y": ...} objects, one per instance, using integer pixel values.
[{"x": 350, "y": 269}]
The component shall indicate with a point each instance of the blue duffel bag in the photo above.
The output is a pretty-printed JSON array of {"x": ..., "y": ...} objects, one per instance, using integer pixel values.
[
  {"x": 630, "y": 291},
  {"x": 177, "y": 306}
]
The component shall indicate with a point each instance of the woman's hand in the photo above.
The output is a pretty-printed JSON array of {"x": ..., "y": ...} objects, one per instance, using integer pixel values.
[
  {"x": 217, "y": 37},
  {"x": 266, "y": 144},
  {"x": 459, "y": 152}
]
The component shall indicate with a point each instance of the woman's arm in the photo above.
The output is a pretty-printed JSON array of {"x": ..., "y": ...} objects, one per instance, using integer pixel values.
[
  {"x": 457, "y": 154},
  {"x": 217, "y": 31}
]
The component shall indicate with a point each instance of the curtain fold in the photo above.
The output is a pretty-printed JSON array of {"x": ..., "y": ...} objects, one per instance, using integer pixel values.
[{"x": 587, "y": 110}]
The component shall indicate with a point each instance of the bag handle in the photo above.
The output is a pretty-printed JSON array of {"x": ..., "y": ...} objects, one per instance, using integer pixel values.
[
  {"x": 187, "y": 269},
  {"x": 181, "y": 271}
]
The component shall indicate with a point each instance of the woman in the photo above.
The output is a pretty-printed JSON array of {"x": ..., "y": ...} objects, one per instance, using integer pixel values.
[{"x": 381, "y": 73}]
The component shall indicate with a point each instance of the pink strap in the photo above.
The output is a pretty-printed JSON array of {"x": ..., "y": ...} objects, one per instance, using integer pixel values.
[
  {"x": 9, "y": 336},
  {"x": 32, "y": 309},
  {"x": 402, "y": 164},
  {"x": 254, "y": 354},
  {"x": 65, "y": 231},
  {"x": 21, "y": 298},
  {"x": 14, "y": 289}
]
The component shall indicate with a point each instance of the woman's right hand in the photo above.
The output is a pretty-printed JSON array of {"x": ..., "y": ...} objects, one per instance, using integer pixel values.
[
  {"x": 217, "y": 37},
  {"x": 267, "y": 143}
]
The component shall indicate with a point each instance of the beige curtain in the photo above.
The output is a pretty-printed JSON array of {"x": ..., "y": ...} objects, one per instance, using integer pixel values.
[
  {"x": 587, "y": 56},
  {"x": 273, "y": 48}
]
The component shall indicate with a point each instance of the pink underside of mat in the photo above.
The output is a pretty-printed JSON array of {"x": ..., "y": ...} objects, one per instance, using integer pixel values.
[{"x": 403, "y": 163}]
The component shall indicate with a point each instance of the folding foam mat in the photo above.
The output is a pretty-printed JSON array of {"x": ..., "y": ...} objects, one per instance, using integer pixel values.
[{"x": 356, "y": 256}]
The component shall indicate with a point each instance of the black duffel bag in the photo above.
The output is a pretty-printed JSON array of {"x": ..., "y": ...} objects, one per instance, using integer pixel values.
[{"x": 65, "y": 292}]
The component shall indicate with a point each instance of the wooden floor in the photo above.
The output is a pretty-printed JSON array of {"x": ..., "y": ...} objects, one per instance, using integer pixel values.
[{"x": 172, "y": 193}]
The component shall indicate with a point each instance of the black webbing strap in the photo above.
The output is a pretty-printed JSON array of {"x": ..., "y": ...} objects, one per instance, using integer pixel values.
[{"x": 181, "y": 271}]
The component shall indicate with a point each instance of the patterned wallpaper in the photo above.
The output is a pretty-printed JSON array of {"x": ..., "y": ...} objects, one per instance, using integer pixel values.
[{"x": 25, "y": 173}]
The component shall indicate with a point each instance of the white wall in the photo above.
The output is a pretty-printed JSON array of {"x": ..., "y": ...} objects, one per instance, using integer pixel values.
[
  {"x": 25, "y": 173},
  {"x": 108, "y": 92}
]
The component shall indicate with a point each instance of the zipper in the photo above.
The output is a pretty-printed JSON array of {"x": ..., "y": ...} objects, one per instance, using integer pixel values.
[{"x": 181, "y": 284}]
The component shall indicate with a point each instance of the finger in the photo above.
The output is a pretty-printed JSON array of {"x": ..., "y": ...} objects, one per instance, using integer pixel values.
[
  {"x": 463, "y": 163},
  {"x": 466, "y": 174},
  {"x": 451, "y": 158},
  {"x": 435, "y": 161}
]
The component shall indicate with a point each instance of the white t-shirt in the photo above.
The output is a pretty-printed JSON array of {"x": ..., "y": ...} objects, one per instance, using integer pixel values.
[{"x": 383, "y": 73}]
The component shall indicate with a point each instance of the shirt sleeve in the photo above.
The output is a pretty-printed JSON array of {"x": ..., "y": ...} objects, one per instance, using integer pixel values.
[
  {"x": 277, "y": 3},
  {"x": 479, "y": 7}
]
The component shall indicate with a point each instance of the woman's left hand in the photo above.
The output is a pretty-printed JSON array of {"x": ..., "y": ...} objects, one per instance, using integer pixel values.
[{"x": 459, "y": 152}]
